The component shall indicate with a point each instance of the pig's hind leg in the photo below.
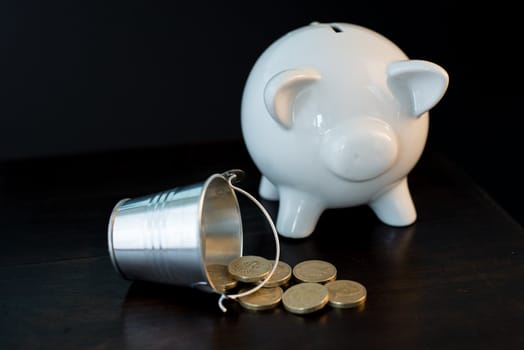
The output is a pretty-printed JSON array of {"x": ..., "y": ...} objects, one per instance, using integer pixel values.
[{"x": 267, "y": 190}]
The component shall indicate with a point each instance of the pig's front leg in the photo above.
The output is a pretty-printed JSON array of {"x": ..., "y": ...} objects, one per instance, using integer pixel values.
[
  {"x": 395, "y": 206},
  {"x": 298, "y": 213}
]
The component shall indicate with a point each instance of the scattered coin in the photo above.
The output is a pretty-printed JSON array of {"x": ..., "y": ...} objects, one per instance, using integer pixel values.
[
  {"x": 281, "y": 276},
  {"x": 346, "y": 293},
  {"x": 220, "y": 277},
  {"x": 304, "y": 298},
  {"x": 308, "y": 296},
  {"x": 249, "y": 268},
  {"x": 262, "y": 299},
  {"x": 315, "y": 271}
]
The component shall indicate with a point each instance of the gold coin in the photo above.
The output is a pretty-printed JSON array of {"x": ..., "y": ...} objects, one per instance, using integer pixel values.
[
  {"x": 262, "y": 299},
  {"x": 304, "y": 298},
  {"x": 346, "y": 293},
  {"x": 220, "y": 277},
  {"x": 315, "y": 271},
  {"x": 281, "y": 276},
  {"x": 249, "y": 268}
]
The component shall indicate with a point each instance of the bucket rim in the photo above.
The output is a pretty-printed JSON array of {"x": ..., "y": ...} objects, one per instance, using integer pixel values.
[
  {"x": 202, "y": 232},
  {"x": 110, "y": 227}
]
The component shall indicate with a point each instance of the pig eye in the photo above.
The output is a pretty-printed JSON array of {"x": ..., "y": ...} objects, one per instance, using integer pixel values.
[{"x": 336, "y": 28}]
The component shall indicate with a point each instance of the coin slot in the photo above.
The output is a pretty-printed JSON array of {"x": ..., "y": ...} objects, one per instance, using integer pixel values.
[{"x": 336, "y": 28}]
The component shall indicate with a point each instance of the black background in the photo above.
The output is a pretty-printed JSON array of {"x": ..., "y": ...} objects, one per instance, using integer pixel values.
[{"x": 81, "y": 77}]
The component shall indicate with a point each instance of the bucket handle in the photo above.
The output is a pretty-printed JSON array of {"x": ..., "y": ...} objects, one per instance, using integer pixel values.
[{"x": 235, "y": 176}]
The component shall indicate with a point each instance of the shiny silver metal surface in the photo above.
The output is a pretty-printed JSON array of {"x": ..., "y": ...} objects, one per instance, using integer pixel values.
[{"x": 170, "y": 237}]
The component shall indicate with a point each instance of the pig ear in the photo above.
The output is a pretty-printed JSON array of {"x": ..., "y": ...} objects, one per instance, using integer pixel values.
[
  {"x": 419, "y": 85},
  {"x": 281, "y": 90}
]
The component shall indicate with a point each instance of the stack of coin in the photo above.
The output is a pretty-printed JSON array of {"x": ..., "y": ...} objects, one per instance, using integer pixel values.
[
  {"x": 316, "y": 271},
  {"x": 305, "y": 297},
  {"x": 262, "y": 299},
  {"x": 249, "y": 268},
  {"x": 281, "y": 276},
  {"x": 220, "y": 277},
  {"x": 346, "y": 294},
  {"x": 313, "y": 287}
]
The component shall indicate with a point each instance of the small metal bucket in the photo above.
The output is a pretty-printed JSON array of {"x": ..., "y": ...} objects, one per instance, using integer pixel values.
[{"x": 170, "y": 237}]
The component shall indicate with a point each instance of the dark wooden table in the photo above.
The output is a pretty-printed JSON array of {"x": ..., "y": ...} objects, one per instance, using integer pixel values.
[{"x": 452, "y": 280}]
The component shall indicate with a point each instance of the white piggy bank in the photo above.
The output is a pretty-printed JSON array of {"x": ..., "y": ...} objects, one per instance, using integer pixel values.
[{"x": 336, "y": 115}]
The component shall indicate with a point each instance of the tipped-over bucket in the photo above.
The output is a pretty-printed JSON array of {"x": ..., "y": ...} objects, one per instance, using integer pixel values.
[{"x": 170, "y": 237}]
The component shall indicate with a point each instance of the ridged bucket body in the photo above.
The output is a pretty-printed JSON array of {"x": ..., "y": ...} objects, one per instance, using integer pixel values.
[{"x": 170, "y": 237}]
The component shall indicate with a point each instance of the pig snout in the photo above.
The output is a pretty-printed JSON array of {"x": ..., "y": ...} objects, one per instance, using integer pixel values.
[{"x": 360, "y": 150}]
